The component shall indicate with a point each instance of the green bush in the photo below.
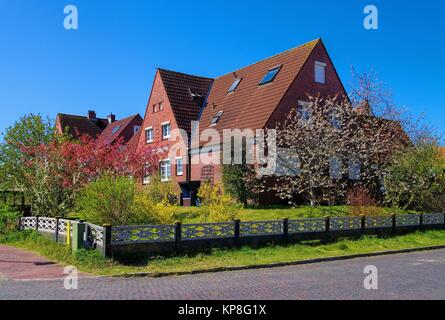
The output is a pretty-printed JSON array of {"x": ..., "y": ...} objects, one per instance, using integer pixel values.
[
  {"x": 216, "y": 206},
  {"x": 159, "y": 191},
  {"x": 108, "y": 200},
  {"x": 416, "y": 178},
  {"x": 8, "y": 220},
  {"x": 119, "y": 201},
  {"x": 147, "y": 210}
]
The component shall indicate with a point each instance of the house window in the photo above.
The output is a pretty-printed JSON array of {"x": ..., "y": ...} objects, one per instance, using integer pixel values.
[
  {"x": 179, "y": 167},
  {"x": 146, "y": 178},
  {"x": 354, "y": 169},
  {"x": 216, "y": 118},
  {"x": 136, "y": 129},
  {"x": 335, "y": 168},
  {"x": 335, "y": 121},
  {"x": 165, "y": 170},
  {"x": 234, "y": 85},
  {"x": 166, "y": 130},
  {"x": 304, "y": 111},
  {"x": 161, "y": 106},
  {"x": 149, "y": 135},
  {"x": 155, "y": 108},
  {"x": 320, "y": 72},
  {"x": 270, "y": 75}
]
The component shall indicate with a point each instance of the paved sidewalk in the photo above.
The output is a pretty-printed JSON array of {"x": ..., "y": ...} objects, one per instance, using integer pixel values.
[{"x": 17, "y": 264}]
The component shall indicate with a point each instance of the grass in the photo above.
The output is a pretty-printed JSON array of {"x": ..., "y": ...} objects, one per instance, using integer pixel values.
[
  {"x": 192, "y": 214},
  {"x": 92, "y": 262}
]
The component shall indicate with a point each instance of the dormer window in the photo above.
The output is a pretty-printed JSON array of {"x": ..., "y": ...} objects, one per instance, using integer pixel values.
[
  {"x": 234, "y": 85},
  {"x": 216, "y": 118},
  {"x": 115, "y": 129},
  {"x": 270, "y": 75},
  {"x": 320, "y": 72}
]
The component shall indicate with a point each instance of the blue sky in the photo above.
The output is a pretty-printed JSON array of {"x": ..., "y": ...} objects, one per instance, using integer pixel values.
[{"x": 109, "y": 63}]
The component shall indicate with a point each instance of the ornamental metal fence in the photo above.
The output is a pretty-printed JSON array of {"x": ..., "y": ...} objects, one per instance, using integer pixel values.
[{"x": 161, "y": 239}]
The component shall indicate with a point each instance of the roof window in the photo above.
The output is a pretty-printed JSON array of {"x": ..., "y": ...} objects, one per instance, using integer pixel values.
[{"x": 270, "y": 75}]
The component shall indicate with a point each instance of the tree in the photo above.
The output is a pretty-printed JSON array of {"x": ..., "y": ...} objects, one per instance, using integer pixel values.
[
  {"x": 415, "y": 178},
  {"x": 55, "y": 172},
  {"x": 240, "y": 182},
  {"x": 29, "y": 131},
  {"x": 326, "y": 144},
  {"x": 368, "y": 93}
]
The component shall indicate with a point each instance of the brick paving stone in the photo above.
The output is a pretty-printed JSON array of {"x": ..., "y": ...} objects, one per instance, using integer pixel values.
[{"x": 418, "y": 275}]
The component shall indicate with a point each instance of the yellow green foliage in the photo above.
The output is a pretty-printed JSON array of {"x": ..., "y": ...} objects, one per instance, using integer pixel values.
[
  {"x": 151, "y": 212},
  {"x": 217, "y": 206}
]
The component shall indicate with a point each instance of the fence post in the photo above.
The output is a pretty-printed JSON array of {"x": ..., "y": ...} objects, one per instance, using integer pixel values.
[
  {"x": 363, "y": 224},
  {"x": 286, "y": 229},
  {"x": 394, "y": 223},
  {"x": 56, "y": 232},
  {"x": 328, "y": 227},
  {"x": 178, "y": 235},
  {"x": 237, "y": 226},
  {"x": 37, "y": 223},
  {"x": 78, "y": 234},
  {"x": 19, "y": 226},
  {"x": 106, "y": 250}
]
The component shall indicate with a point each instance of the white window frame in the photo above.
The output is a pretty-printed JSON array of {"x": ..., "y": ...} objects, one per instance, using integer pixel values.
[
  {"x": 152, "y": 134},
  {"x": 168, "y": 175},
  {"x": 306, "y": 109},
  {"x": 181, "y": 173},
  {"x": 165, "y": 124},
  {"x": 146, "y": 177},
  {"x": 320, "y": 72}
]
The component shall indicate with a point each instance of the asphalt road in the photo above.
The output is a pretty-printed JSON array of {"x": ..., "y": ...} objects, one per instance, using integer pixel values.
[{"x": 419, "y": 275}]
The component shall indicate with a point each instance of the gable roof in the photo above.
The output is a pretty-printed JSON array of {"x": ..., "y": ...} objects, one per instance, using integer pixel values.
[
  {"x": 114, "y": 130},
  {"x": 251, "y": 104},
  {"x": 132, "y": 144},
  {"x": 186, "y": 94},
  {"x": 77, "y": 126}
]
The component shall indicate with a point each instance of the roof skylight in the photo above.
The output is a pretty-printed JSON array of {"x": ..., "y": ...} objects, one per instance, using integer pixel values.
[
  {"x": 270, "y": 75},
  {"x": 234, "y": 85}
]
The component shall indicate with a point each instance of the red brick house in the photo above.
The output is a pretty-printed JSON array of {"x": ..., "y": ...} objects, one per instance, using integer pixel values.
[
  {"x": 106, "y": 130},
  {"x": 261, "y": 95},
  {"x": 175, "y": 101},
  {"x": 258, "y": 96}
]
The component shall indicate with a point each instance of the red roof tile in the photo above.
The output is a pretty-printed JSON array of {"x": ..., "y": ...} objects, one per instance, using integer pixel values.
[
  {"x": 251, "y": 104},
  {"x": 114, "y": 130},
  {"x": 186, "y": 94},
  {"x": 77, "y": 126}
]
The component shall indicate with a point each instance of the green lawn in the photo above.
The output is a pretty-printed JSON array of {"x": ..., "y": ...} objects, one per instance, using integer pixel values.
[
  {"x": 191, "y": 214},
  {"x": 91, "y": 261}
]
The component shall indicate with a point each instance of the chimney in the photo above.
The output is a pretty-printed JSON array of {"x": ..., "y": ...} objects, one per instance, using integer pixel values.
[
  {"x": 92, "y": 115},
  {"x": 111, "y": 118}
]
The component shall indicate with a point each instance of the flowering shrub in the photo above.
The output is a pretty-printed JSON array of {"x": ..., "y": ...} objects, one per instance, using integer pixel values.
[
  {"x": 217, "y": 206},
  {"x": 57, "y": 171}
]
